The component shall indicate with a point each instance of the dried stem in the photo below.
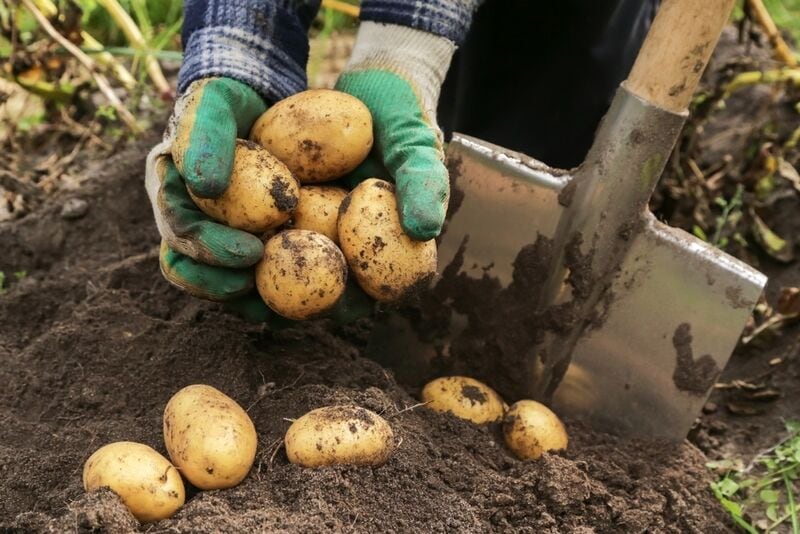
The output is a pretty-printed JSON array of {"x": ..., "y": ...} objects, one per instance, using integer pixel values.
[
  {"x": 782, "y": 50},
  {"x": 343, "y": 7}
]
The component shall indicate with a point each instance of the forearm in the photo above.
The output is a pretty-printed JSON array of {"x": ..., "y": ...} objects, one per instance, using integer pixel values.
[{"x": 262, "y": 43}]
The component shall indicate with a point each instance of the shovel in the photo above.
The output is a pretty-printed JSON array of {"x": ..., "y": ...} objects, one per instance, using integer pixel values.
[{"x": 561, "y": 286}]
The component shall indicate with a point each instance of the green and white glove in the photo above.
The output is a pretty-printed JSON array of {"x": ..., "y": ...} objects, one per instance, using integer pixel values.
[
  {"x": 398, "y": 73},
  {"x": 202, "y": 257}
]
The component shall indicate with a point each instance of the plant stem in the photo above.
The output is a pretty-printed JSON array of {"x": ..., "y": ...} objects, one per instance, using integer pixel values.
[
  {"x": 782, "y": 50},
  {"x": 343, "y": 7},
  {"x": 792, "y": 506}
]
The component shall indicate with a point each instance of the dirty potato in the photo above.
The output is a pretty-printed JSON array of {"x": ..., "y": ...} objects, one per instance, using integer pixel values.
[
  {"x": 318, "y": 210},
  {"x": 262, "y": 193},
  {"x": 464, "y": 397},
  {"x": 302, "y": 274},
  {"x": 531, "y": 429},
  {"x": 209, "y": 436},
  {"x": 387, "y": 264},
  {"x": 339, "y": 435},
  {"x": 146, "y": 482},
  {"x": 320, "y": 134}
]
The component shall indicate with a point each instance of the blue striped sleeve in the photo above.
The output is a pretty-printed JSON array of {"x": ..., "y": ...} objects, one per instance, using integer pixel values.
[
  {"x": 263, "y": 43},
  {"x": 447, "y": 18}
]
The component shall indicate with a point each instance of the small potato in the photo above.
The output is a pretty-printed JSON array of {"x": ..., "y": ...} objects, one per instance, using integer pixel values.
[
  {"x": 531, "y": 429},
  {"x": 262, "y": 193},
  {"x": 318, "y": 210},
  {"x": 389, "y": 265},
  {"x": 339, "y": 435},
  {"x": 464, "y": 397},
  {"x": 319, "y": 134},
  {"x": 146, "y": 482},
  {"x": 210, "y": 438},
  {"x": 302, "y": 275}
]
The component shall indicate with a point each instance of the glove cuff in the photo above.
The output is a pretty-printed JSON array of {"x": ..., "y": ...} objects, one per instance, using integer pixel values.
[{"x": 419, "y": 57}]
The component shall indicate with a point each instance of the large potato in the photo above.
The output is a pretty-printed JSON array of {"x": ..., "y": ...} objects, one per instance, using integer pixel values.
[
  {"x": 339, "y": 435},
  {"x": 464, "y": 397},
  {"x": 319, "y": 134},
  {"x": 262, "y": 193},
  {"x": 387, "y": 263},
  {"x": 318, "y": 210},
  {"x": 302, "y": 274},
  {"x": 531, "y": 429},
  {"x": 146, "y": 482},
  {"x": 210, "y": 438}
]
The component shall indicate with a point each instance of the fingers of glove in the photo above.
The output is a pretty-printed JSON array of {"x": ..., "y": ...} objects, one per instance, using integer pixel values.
[
  {"x": 209, "y": 119},
  {"x": 192, "y": 233},
  {"x": 423, "y": 189},
  {"x": 204, "y": 281},
  {"x": 251, "y": 308},
  {"x": 372, "y": 167},
  {"x": 353, "y": 305}
]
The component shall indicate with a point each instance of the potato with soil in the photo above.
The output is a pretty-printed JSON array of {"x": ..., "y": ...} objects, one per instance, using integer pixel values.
[
  {"x": 318, "y": 210},
  {"x": 302, "y": 274},
  {"x": 209, "y": 436},
  {"x": 464, "y": 397},
  {"x": 320, "y": 134},
  {"x": 339, "y": 435},
  {"x": 146, "y": 482},
  {"x": 531, "y": 429},
  {"x": 389, "y": 265},
  {"x": 261, "y": 195}
]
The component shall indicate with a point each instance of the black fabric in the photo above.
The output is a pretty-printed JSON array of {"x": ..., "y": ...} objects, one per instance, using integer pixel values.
[{"x": 537, "y": 76}]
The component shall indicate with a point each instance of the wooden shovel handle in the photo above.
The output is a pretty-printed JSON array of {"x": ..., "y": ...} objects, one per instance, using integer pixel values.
[{"x": 676, "y": 51}]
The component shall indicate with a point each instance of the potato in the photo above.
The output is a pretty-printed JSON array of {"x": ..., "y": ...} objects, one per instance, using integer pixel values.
[
  {"x": 302, "y": 275},
  {"x": 530, "y": 429},
  {"x": 146, "y": 482},
  {"x": 339, "y": 435},
  {"x": 464, "y": 397},
  {"x": 262, "y": 193},
  {"x": 210, "y": 438},
  {"x": 389, "y": 265},
  {"x": 318, "y": 210},
  {"x": 319, "y": 134}
]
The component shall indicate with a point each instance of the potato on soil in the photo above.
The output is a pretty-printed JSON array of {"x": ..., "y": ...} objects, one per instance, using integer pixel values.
[
  {"x": 318, "y": 210},
  {"x": 262, "y": 193},
  {"x": 302, "y": 274},
  {"x": 339, "y": 435},
  {"x": 209, "y": 437},
  {"x": 531, "y": 429},
  {"x": 464, "y": 397},
  {"x": 146, "y": 482},
  {"x": 320, "y": 134},
  {"x": 388, "y": 264}
]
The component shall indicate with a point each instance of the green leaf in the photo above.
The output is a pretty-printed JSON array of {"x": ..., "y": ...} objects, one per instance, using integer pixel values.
[
  {"x": 772, "y": 512},
  {"x": 728, "y": 487},
  {"x": 777, "y": 247},
  {"x": 2, "y": 282},
  {"x": 769, "y": 496},
  {"x": 699, "y": 232}
]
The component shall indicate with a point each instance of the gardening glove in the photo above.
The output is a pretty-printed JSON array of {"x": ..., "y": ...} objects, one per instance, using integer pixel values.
[{"x": 397, "y": 71}]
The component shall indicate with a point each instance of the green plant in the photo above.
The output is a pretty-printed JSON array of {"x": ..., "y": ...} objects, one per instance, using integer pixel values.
[{"x": 762, "y": 496}]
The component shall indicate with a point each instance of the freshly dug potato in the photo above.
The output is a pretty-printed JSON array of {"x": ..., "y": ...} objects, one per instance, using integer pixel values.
[
  {"x": 531, "y": 429},
  {"x": 146, "y": 482},
  {"x": 388, "y": 264},
  {"x": 262, "y": 193},
  {"x": 464, "y": 397},
  {"x": 318, "y": 210},
  {"x": 339, "y": 435},
  {"x": 210, "y": 438},
  {"x": 319, "y": 134},
  {"x": 302, "y": 275}
]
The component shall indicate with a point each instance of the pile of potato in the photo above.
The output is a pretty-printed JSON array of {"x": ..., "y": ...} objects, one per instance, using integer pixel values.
[{"x": 315, "y": 233}]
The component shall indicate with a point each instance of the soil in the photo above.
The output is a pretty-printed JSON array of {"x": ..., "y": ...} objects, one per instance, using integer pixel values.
[{"x": 94, "y": 342}]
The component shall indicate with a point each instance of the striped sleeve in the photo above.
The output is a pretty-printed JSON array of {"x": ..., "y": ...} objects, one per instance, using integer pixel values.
[
  {"x": 450, "y": 19},
  {"x": 262, "y": 43}
]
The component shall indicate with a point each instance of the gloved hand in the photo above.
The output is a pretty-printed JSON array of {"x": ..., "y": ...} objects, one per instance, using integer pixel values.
[
  {"x": 397, "y": 72},
  {"x": 202, "y": 257}
]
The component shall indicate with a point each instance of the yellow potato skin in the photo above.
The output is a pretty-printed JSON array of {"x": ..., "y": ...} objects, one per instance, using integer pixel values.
[
  {"x": 318, "y": 210},
  {"x": 339, "y": 435},
  {"x": 146, "y": 482},
  {"x": 209, "y": 437},
  {"x": 302, "y": 274},
  {"x": 320, "y": 134},
  {"x": 464, "y": 397},
  {"x": 388, "y": 265},
  {"x": 531, "y": 429},
  {"x": 262, "y": 193}
]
